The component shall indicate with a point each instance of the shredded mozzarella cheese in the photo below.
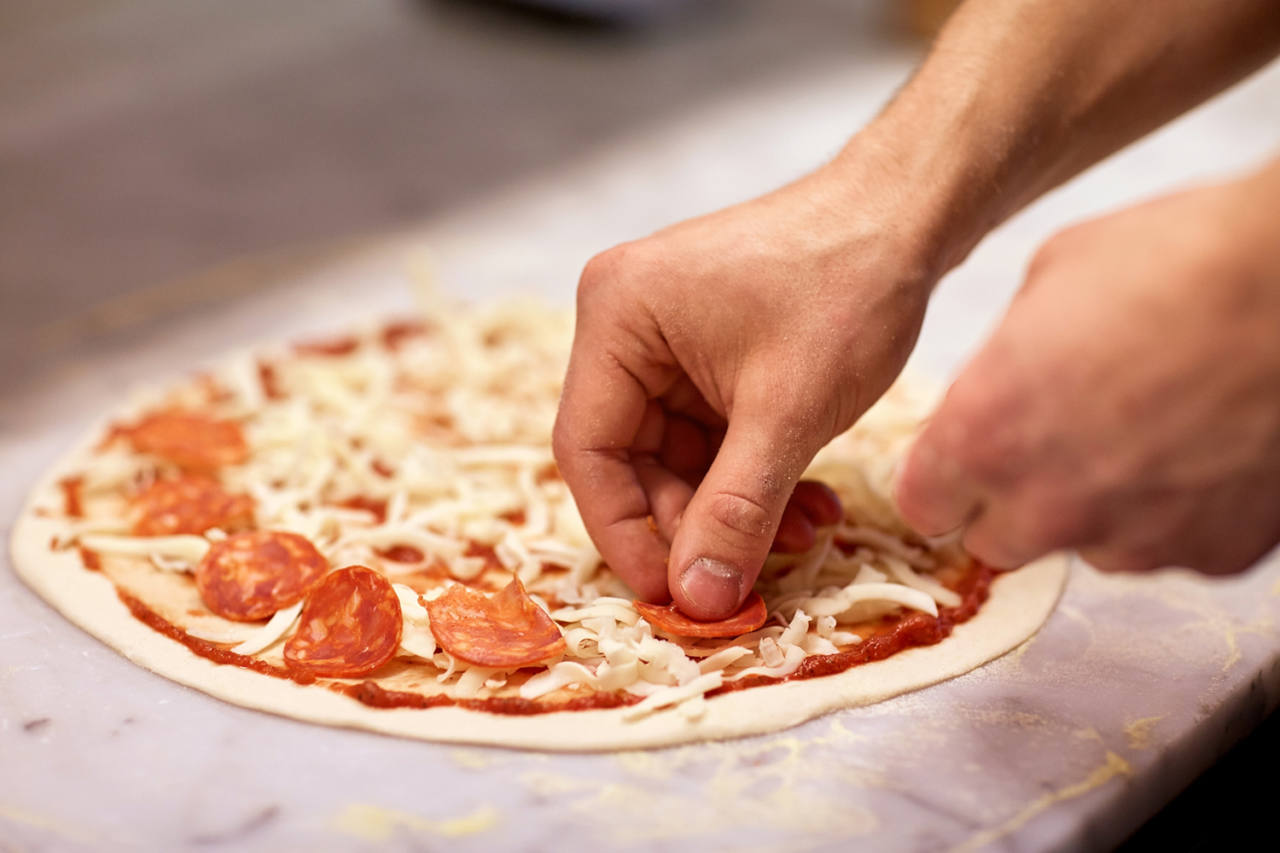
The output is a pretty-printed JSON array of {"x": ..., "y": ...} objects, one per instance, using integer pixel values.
[
  {"x": 266, "y": 636},
  {"x": 443, "y": 447}
]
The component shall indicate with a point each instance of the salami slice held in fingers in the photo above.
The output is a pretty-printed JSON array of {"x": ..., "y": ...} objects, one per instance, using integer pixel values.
[
  {"x": 350, "y": 625},
  {"x": 189, "y": 504},
  {"x": 813, "y": 504},
  {"x": 750, "y": 616},
  {"x": 192, "y": 441},
  {"x": 249, "y": 576},
  {"x": 819, "y": 502},
  {"x": 506, "y": 630}
]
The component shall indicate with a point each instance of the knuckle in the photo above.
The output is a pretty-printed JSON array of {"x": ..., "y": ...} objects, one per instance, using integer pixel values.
[
  {"x": 741, "y": 516},
  {"x": 562, "y": 444},
  {"x": 1223, "y": 566},
  {"x": 912, "y": 488},
  {"x": 1045, "y": 257},
  {"x": 1062, "y": 244},
  {"x": 617, "y": 277},
  {"x": 1121, "y": 561},
  {"x": 979, "y": 429},
  {"x": 989, "y": 548},
  {"x": 598, "y": 274},
  {"x": 1049, "y": 524},
  {"x": 1219, "y": 561}
]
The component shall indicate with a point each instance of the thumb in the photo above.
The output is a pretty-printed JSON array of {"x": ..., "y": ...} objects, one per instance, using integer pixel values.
[{"x": 727, "y": 529}]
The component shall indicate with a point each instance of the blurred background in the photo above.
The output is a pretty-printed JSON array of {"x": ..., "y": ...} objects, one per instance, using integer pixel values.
[{"x": 142, "y": 140}]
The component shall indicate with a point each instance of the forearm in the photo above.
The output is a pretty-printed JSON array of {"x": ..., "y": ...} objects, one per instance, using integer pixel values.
[{"x": 1020, "y": 95}]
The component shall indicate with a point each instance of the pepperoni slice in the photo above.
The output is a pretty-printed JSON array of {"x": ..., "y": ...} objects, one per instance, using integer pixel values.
[
  {"x": 350, "y": 625},
  {"x": 192, "y": 441},
  {"x": 190, "y": 504},
  {"x": 818, "y": 501},
  {"x": 250, "y": 576},
  {"x": 750, "y": 616},
  {"x": 506, "y": 630},
  {"x": 795, "y": 532},
  {"x": 375, "y": 506}
]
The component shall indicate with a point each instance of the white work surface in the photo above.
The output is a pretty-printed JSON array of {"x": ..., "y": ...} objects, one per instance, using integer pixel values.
[{"x": 1132, "y": 688}]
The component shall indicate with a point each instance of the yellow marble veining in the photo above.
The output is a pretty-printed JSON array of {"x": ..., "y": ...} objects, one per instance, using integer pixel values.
[{"x": 375, "y": 823}]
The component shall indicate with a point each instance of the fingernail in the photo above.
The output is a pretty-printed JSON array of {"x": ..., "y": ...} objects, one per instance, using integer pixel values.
[{"x": 713, "y": 587}]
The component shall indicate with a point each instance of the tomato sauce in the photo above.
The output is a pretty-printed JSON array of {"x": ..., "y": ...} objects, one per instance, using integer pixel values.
[
  {"x": 72, "y": 504},
  {"x": 401, "y": 554},
  {"x": 395, "y": 334},
  {"x": 490, "y": 556},
  {"x": 269, "y": 381},
  {"x": 373, "y": 505},
  {"x": 204, "y": 648},
  {"x": 889, "y": 636},
  {"x": 332, "y": 347},
  {"x": 881, "y": 639},
  {"x": 368, "y": 693}
]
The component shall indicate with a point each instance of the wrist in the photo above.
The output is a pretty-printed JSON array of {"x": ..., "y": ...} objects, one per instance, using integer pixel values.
[{"x": 932, "y": 198}]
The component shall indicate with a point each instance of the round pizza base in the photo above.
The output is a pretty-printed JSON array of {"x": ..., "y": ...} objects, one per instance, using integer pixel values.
[{"x": 1019, "y": 604}]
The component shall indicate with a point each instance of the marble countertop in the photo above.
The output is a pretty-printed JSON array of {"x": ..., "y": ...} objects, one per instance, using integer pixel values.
[{"x": 1134, "y": 686}]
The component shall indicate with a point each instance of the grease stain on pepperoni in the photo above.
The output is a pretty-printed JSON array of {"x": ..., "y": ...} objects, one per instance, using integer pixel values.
[{"x": 249, "y": 576}]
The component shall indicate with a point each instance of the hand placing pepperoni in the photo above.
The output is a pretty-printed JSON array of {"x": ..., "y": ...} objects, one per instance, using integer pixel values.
[
  {"x": 506, "y": 630},
  {"x": 750, "y": 616},
  {"x": 191, "y": 441},
  {"x": 190, "y": 504},
  {"x": 350, "y": 625},
  {"x": 250, "y": 576}
]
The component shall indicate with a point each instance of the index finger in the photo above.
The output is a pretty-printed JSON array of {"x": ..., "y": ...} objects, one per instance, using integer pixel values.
[
  {"x": 601, "y": 410},
  {"x": 931, "y": 490}
]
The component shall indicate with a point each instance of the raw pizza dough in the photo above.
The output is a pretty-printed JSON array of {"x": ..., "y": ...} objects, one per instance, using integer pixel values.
[{"x": 1018, "y": 605}]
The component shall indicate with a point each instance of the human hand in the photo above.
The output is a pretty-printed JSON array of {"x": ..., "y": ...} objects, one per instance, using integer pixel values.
[
  {"x": 1129, "y": 403},
  {"x": 710, "y": 363}
]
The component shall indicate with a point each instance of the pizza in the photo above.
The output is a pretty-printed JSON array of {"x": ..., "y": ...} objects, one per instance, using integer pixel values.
[{"x": 369, "y": 530}]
